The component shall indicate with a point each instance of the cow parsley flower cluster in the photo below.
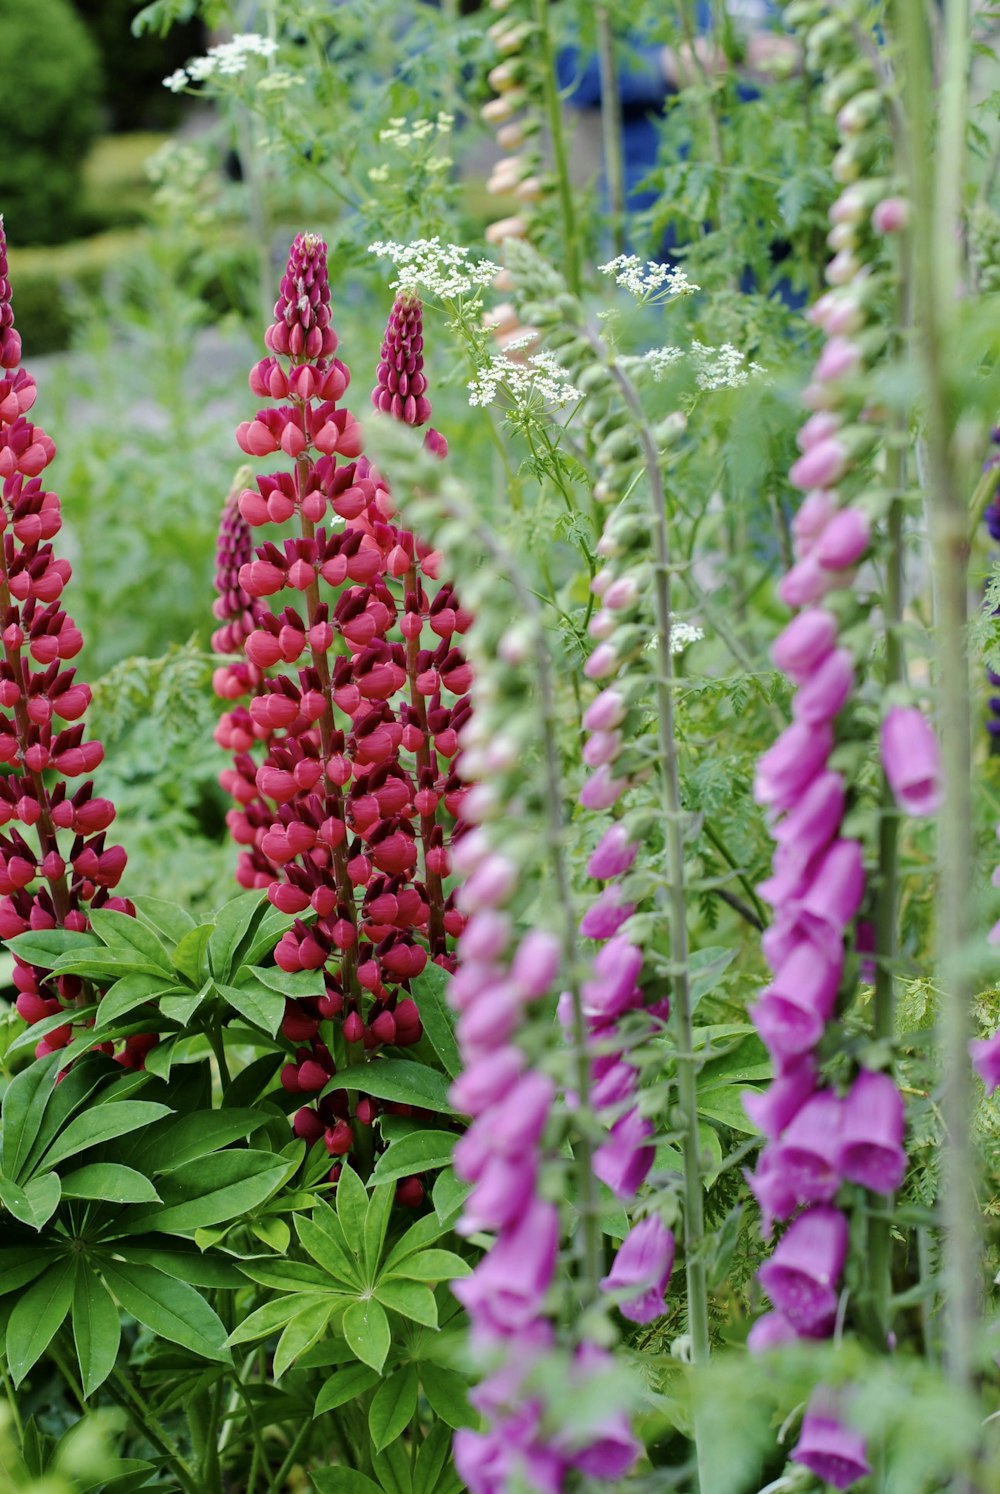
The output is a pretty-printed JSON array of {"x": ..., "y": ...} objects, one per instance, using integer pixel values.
[
  {"x": 649, "y": 280},
  {"x": 538, "y": 380},
  {"x": 723, "y": 367},
  {"x": 226, "y": 60},
  {"x": 429, "y": 268}
]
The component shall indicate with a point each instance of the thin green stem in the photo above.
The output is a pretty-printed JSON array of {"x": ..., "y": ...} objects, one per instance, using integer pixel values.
[
  {"x": 553, "y": 109},
  {"x": 675, "y": 819},
  {"x": 277, "y": 1483},
  {"x": 936, "y": 196},
  {"x": 123, "y": 1394}
]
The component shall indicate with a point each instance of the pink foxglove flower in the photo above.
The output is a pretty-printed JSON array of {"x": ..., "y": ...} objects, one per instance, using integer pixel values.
[
  {"x": 830, "y": 1450},
  {"x": 912, "y": 760},
  {"x": 642, "y": 1267}
]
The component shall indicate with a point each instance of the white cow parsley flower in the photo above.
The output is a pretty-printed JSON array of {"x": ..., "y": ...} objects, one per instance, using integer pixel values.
[
  {"x": 682, "y": 634},
  {"x": 723, "y": 367},
  {"x": 431, "y": 268},
  {"x": 540, "y": 379},
  {"x": 651, "y": 279},
  {"x": 228, "y": 60}
]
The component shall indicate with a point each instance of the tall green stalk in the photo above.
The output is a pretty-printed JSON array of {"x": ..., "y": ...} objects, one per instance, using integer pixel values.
[
  {"x": 611, "y": 127},
  {"x": 936, "y": 198},
  {"x": 560, "y": 160}
]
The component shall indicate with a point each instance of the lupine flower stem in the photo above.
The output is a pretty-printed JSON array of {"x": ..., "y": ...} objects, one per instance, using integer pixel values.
[
  {"x": 694, "y": 1223},
  {"x": 553, "y": 109},
  {"x": 936, "y": 196}
]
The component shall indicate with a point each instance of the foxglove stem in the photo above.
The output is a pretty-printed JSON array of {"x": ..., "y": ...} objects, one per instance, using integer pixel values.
[
  {"x": 694, "y": 1222},
  {"x": 936, "y": 283}
]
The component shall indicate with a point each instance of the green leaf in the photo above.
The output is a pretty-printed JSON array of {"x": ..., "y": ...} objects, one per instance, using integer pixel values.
[
  {"x": 111, "y": 1182},
  {"x": 257, "y": 1004},
  {"x": 181, "y": 1008},
  {"x": 287, "y": 1276},
  {"x": 366, "y": 1329},
  {"x": 392, "y": 1407},
  {"x": 707, "y": 967},
  {"x": 343, "y": 1481},
  {"x": 436, "y": 1017},
  {"x": 265, "y": 935},
  {"x": 189, "y": 954},
  {"x": 448, "y": 1194},
  {"x": 187, "y": 1137},
  {"x": 167, "y": 1307},
  {"x": 419, "y": 1152},
  {"x": 28, "y": 1093},
  {"x": 392, "y": 1468},
  {"x": 96, "y": 1329},
  {"x": 231, "y": 922},
  {"x": 352, "y": 1206},
  {"x": 37, "y": 1316},
  {"x": 36, "y": 1202},
  {"x": 409, "y": 1298},
  {"x": 399, "y": 1079},
  {"x": 431, "y": 1459},
  {"x": 419, "y": 1235},
  {"x": 102, "y": 1123},
  {"x": 376, "y": 1224},
  {"x": 273, "y": 1232},
  {"x": 274, "y": 1315},
  {"x": 432, "y": 1265},
  {"x": 299, "y": 1334},
  {"x": 324, "y": 1239},
  {"x": 725, "y": 1104},
  {"x": 164, "y": 918},
  {"x": 447, "y": 1394},
  {"x": 298, "y": 984},
  {"x": 210, "y": 1190},
  {"x": 20, "y": 1264},
  {"x": 44, "y": 946},
  {"x": 131, "y": 991},
  {"x": 159, "y": 1060},
  {"x": 198, "y": 1267},
  {"x": 119, "y": 931},
  {"x": 346, "y": 1385}
]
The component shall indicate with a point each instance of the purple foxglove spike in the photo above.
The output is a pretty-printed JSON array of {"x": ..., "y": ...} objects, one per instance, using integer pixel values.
[
  {"x": 624, "y": 1160},
  {"x": 912, "y": 760},
  {"x": 601, "y": 790},
  {"x": 616, "y": 1085},
  {"x": 503, "y": 1191},
  {"x": 472, "y": 1152},
  {"x": 485, "y": 1082},
  {"x": 509, "y": 1456},
  {"x": 642, "y": 1268},
  {"x": 613, "y": 989},
  {"x": 485, "y": 936},
  {"x": 613, "y": 855},
  {"x": 770, "y": 1332},
  {"x": 780, "y": 938},
  {"x": 606, "y": 915},
  {"x": 608, "y": 710},
  {"x": 789, "y": 766},
  {"x": 833, "y": 897},
  {"x": 610, "y": 1448},
  {"x": 808, "y": 639},
  {"x": 505, "y": 1386},
  {"x": 789, "y": 878},
  {"x": 827, "y": 689},
  {"x": 801, "y": 1277},
  {"x": 821, "y": 466},
  {"x": 536, "y": 963},
  {"x": 814, "y": 821},
  {"x": 518, "y": 1120},
  {"x": 818, "y": 427},
  {"x": 400, "y": 381},
  {"x": 870, "y": 1149},
  {"x": 796, "y": 1006},
  {"x": 844, "y": 540},
  {"x": 808, "y": 1150},
  {"x": 769, "y": 1186},
  {"x": 490, "y": 1021},
  {"x": 818, "y": 508},
  {"x": 507, "y": 1288},
  {"x": 985, "y": 1055},
  {"x": 834, "y": 1453},
  {"x": 773, "y": 1110},
  {"x": 806, "y": 582}
]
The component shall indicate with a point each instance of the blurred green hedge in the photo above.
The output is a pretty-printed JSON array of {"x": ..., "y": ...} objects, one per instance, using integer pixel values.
[{"x": 49, "y": 115}]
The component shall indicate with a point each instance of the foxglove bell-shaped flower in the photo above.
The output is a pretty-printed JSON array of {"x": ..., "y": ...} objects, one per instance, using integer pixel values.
[
  {"x": 870, "y": 1144},
  {"x": 912, "y": 760},
  {"x": 642, "y": 1267},
  {"x": 833, "y": 1452},
  {"x": 985, "y": 1055},
  {"x": 801, "y": 1277}
]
